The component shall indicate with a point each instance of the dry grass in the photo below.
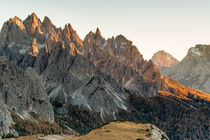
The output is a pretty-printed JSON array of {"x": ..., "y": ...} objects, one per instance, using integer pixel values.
[
  {"x": 34, "y": 137},
  {"x": 111, "y": 131},
  {"x": 117, "y": 131},
  {"x": 43, "y": 137}
]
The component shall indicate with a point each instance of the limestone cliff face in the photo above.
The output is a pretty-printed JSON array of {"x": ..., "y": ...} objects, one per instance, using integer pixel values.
[
  {"x": 69, "y": 78},
  {"x": 5, "y": 120},
  {"x": 21, "y": 92},
  {"x": 77, "y": 82}
]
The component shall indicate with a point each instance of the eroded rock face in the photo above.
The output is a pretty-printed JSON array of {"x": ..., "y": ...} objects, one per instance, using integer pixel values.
[
  {"x": 69, "y": 79},
  {"x": 5, "y": 120},
  {"x": 152, "y": 73},
  {"x": 119, "y": 58},
  {"x": 22, "y": 93},
  {"x": 119, "y": 47},
  {"x": 77, "y": 82},
  {"x": 19, "y": 38}
]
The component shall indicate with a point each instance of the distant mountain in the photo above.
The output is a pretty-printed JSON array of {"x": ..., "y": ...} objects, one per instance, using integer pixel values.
[
  {"x": 164, "y": 61},
  {"x": 194, "y": 70},
  {"x": 98, "y": 80}
]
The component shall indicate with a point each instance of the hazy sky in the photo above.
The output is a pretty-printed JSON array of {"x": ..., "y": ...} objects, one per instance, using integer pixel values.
[{"x": 170, "y": 25}]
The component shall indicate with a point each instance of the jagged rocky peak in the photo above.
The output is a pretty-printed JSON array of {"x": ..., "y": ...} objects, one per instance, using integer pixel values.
[
  {"x": 68, "y": 28},
  {"x": 123, "y": 39},
  {"x": 94, "y": 39},
  {"x": 67, "y": 32},
  {"x": 124, "y": 49},
  {"x": 13, "y": 31},
  {"x": 18, "y": 22},
  {"x": 118, "y": 46},
  {"x": 33, "y": 25},
  {"x": 98, "y": 34},
  {"x": 70, "y": 35},
  {"x": 47, "y": 24},
  {"x": 47, "y": 20},
  {"x": 19, "y": 36},
  {"x": 164, "y": 59},
  {"x": 118, "y": 57},
  {"x": 121, "y": 42},
  {"x": 73, "y": 51}
]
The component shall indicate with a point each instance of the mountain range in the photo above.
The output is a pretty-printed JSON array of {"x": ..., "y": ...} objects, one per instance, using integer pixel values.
[
  {"x": 193, "y": 71},
  {"x": 84, "y": 84}
]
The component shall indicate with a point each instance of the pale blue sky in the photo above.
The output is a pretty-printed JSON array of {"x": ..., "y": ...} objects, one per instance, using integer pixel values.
[{"x": 170, "y": 25}]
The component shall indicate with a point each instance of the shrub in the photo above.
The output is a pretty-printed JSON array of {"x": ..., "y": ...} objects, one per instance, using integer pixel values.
[{"x": 107, "y": 130}]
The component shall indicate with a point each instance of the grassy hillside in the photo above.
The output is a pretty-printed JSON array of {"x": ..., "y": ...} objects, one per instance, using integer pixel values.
[
  {"x": 124, "y": 131},
  {"x": 112, "y": 131}
]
